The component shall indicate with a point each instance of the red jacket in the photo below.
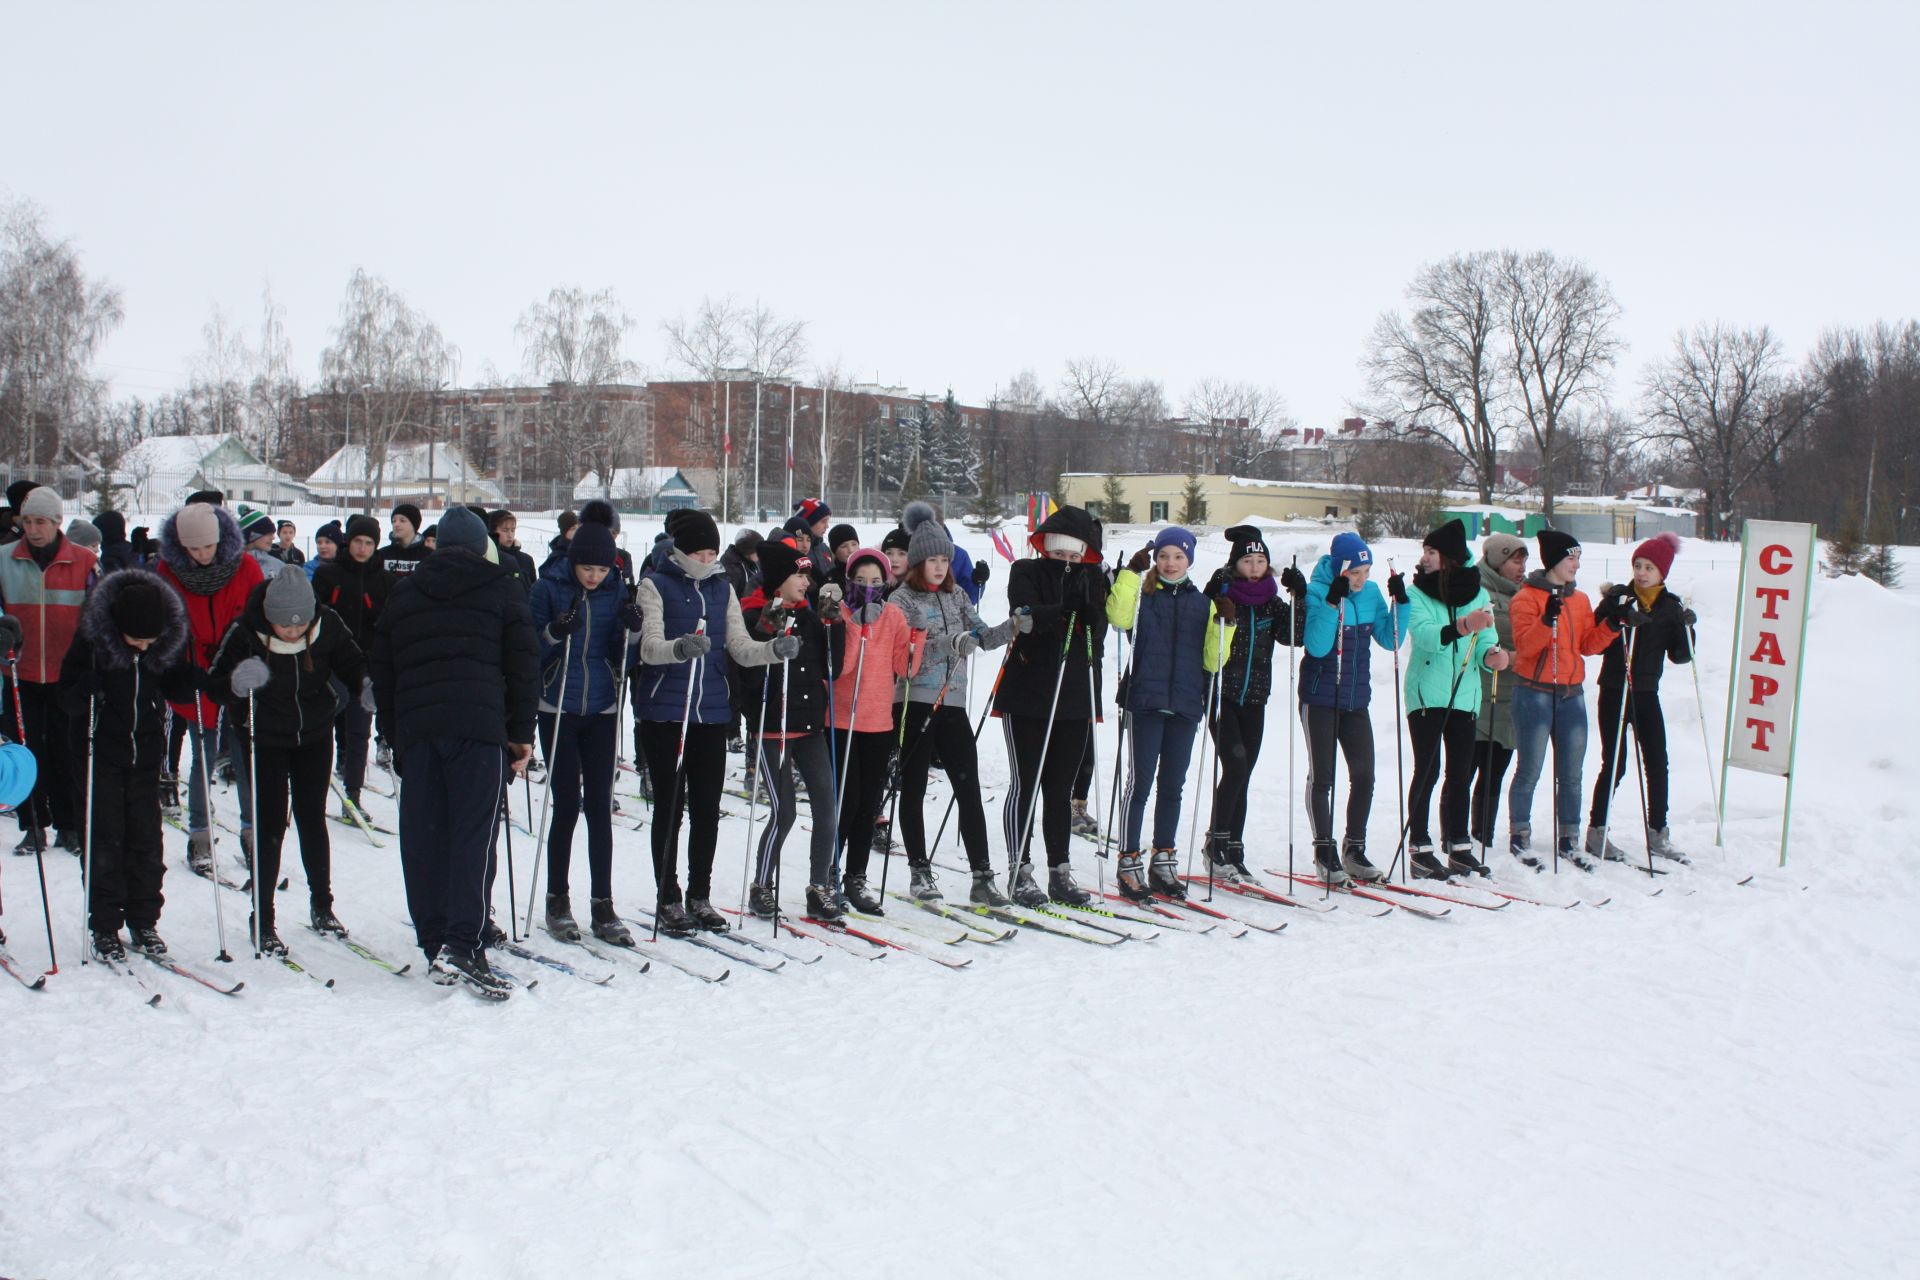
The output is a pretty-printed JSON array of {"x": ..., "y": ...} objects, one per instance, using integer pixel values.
[
  {"x": 47, "y": 604},
  {"x": 208, "y": 618}
]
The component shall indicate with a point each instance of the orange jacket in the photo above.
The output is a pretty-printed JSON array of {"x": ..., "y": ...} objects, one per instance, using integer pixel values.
[
  {"x": 885, "y": 660},
  {"x": 1544, "y": 656}
]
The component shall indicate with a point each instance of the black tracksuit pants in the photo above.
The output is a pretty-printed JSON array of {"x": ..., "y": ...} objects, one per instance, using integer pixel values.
[
  {"x": 449, "y": 819},
  {"x": 1051, "y": 780},
  {"x": 1490, "y": 761},
  {"x": 779, "y": 759},
  {"x": 353, "y": 726},
  {"x": 580, "y": 760},
  {"x": 1237, "y": 732},
  {"x": 1437, "y": 731},
  {"x": 946, "y": 733},
  {"x": 301, "y": 772},
  {"x": 695, "y": 794},
  {"x": 55, "y": 799},
  {"x": 1354, "y": 734},
  {"x": 124, "y": 848},
  {"x": 865, "y": 759},
  {"x": 1648, "y": 723}
]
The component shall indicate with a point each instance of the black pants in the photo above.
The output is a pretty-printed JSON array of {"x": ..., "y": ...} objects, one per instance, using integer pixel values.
[
  {"x": 303, "y": 771},
  {"x": 128, "y": 863},
  {"x": 581, "y": 760},
  {"x": 947, "y": 732},
  {"x": 55, "y": 799},
  {"x": 1647, "y": 723},
  {"x": 1050, "y": 780},
  {"x": 352, "y": 727},
  {"x": 1237, "y": 731},
  {"x": 449, "y": 819},
  {"x": 1083, "y": 781},
  {"x": 696, "y": 795},
  {"x": 1354, "y": 733},
  {"x": 779, "y": 760},
  {"x": 864, "y": 758},
  {"x": 1435, "y": 730},
  {"x": 1490, "y": 761}
]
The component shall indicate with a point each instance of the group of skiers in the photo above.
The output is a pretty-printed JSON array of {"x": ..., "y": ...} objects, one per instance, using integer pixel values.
[{"x": 843, "y": 670}]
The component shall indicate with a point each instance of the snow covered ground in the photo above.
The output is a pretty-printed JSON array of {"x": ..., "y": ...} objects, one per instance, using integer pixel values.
[{"x": 1715, "y": 1081}]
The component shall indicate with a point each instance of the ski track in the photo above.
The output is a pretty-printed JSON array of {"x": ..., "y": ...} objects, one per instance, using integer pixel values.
[{"x": 1707, "y": 1083}]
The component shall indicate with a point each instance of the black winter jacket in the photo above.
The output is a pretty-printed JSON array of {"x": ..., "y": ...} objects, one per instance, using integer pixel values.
[
  {"x": 297, "y": 705},
  {"x": 1662, "y": 637},
  {"x": 822, "y": 651},
  {"x": 357, "y": 592},
  {"x": 401, "y": 561},
  {"x": 1054, "y": 590},
  {"x": 520, "y": 565},
  {"x": 1247, "y": 676},
  {"x": 129, "y": 721},
  {"x": 454, "y": 655}
]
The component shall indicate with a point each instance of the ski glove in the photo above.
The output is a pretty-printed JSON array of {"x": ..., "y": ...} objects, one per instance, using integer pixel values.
[
  {"x": 1222, "y": 579},
  {"x": 1397, "y": 587},
  {"x": 1226, "y": 610},
  {"x": 964, "y": 643},
  {"x": 690, "y": 646},
  {"x": 565, "y": 624},
  {"x": 1625, "y": 617},
  {"x": 1141, "y": 559},
  {"x": 1551, "y": 614},
  {"x": 829, "y": 602},
  {"x": 1337, "y": 589},
  {"x": 1687, "y": 616},
  {"x": 785, "y": 648},
  {"x": 630, "y": 616},
  {"x": 366, "y": 697},
  {"x": 1478, "y": 620},
  {"x": 11, "y": 636},
  {"x": 1291, "y": 579},
  {"x": 868, "y": 614},
  {"x": 250, "y": 677},
  {"x": 1022, "y": 620},
  {"x": 980, "y": 573}
]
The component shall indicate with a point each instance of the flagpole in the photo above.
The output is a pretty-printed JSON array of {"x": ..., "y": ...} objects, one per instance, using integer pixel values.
[{"x": 793, "y": 408}]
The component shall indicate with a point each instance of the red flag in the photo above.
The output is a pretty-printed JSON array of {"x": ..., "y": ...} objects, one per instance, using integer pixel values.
[{"x": 1000, "y": 543}]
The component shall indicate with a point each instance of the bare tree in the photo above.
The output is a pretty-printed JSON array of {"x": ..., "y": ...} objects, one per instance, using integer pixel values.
[
  {"x": 1557, "y": 321},
  {"x": 387, "y": 359},
  {"x": 1724, "y": 402},
  {"x": 774, "y": 348},
  {"x": 1235, "y": 422},
  {"x": 221, "y": 372},
  {"x": 275, "y": 387},
  {"x": 1440, "y": 368},
  {"x": 571, "y": 341},
  {"x": 707, "y": 345}
]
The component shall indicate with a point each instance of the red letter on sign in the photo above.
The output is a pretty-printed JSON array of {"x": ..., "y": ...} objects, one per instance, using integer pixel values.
[
  {"x": 1776, "y": 560},
  {"x": 1761, "y": 728},
  {"x": 1764, "y": 687},
  {"x": 1768, "y": 650},
  {"x": 1773, "y": 596}
]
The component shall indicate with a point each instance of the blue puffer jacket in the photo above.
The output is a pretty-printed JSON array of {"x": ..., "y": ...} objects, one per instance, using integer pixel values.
[
  {"x": 1361, "y": 617},
  {"x": 582, "y": 680},
  {"x": 962, "y": 569},
  {"x": 1169, "y": 671},
  {"x": 662, "y": 690}
]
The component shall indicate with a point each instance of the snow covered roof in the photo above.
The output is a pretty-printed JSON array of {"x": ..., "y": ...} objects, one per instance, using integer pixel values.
[
  {"x": 625, "y": 482},
  {"x": 171, "y": 455},
  {"x": 405, "y": 464}
]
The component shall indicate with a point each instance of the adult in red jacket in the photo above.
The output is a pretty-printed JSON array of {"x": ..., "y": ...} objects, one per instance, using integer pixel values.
[{"x": 203, "y": 558}]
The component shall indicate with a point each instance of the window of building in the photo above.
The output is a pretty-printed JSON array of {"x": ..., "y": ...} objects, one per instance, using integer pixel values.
[
  {"x": 1333, "y": 511},
  {"x": 247, "y": 496},
  {"x": 1098, "y": 510},
  {"x": 1156, "y": 511}
]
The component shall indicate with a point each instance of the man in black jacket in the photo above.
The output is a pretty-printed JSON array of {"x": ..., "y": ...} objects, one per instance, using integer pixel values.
[
  {"x": 505, "y": 527},
  {"x": 456, "y": 681}
]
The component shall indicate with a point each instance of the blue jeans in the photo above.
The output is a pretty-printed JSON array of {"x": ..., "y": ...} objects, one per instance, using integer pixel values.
[
  {"x": 1162, "y": 746},
  {"x": 1537, "y": 717},
  {"x": 204, "y": 760}
]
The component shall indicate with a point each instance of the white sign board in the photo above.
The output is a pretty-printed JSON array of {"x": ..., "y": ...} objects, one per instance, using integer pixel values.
[{"x": 1776, "y": 581}]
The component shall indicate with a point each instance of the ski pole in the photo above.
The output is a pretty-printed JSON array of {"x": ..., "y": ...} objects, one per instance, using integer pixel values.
[
  {"x": 39, "y": 854},
  {"x": 86, "y": 827},
  {"x": 1046, "y": 740},
  {"x": 513, "y": 907},
  {"x": 753, "y": 790},
  {"x": 1120, "y": 749},
  {"x": 1093, "y": 770},
  {"x": 1296, "y": 623},
  {"x": 1206, "y": 723},
  {"x": 1610, "y": 762},
  {"x": 786, "y": 762},
  {"x": 200, "y": 750},
  {"x": 553, "y": 746},
  {"x": 1400, "y": 723},
  {"x": 1693, "y": 660},
  {"x": 259, "y": 894},
  {"x": 671, "y": 842},
  {"x": 1640, "y": 770},
  {"x": 1553, "y": 733},
  {"x": 1493, "y": 786},
  {"x": 846, "y": 764},
  {"x": 900, "y": 758}
]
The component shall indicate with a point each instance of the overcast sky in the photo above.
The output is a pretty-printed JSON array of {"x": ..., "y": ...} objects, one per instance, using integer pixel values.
[{"x": 948, "y": 194}]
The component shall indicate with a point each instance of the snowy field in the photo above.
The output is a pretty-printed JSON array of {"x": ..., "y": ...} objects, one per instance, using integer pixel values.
[{"x": 1715, "y": 1081}]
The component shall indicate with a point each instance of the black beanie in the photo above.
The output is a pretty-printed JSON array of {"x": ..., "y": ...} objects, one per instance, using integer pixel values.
[
  {"x": 1450, "y": 540},
  {"x": 1245, "y": 540},
  {"x": 778, "y": 562},
  {"x": 411, "y": 512},
  {"x": 600, "y": 511},
  {"x": 17, "y": 493},
  {"x": 747, "y": 542},
  {"x": 361, "y": 527},
  {"x": 841, "y": 533},
  {"x": 897, "y": 539},
  {"x": 691, "y": 530},
  {"x": 1554, "y": 546},
  {"x": 332, "y": 532},
  {"x": 592, "y": 545},
  {"x": 139, "y": 610}
]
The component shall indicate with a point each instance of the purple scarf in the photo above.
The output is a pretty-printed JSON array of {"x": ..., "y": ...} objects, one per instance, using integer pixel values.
[
  {"x": 1251, "y": 593},
  {"x": 859, "y": 596}
]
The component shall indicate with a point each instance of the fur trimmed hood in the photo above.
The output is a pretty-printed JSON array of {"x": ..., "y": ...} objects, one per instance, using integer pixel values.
[
  {"x": 97, "y": 625},
  {"x": 175, "y": 556}
]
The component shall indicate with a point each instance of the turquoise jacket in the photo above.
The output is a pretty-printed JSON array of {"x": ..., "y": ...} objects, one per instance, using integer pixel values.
[{"x": 1438, "y": 655}]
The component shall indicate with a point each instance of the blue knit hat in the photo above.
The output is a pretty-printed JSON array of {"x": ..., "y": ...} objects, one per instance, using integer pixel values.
[
  {"x": 1174, "y": 536},
  {"x": 1349, "y": 551},
  {"x": 592, "y": 545},
  {"x": 17, "y": 772}
]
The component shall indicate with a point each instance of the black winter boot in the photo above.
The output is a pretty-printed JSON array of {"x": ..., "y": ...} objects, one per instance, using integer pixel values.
[
  {"x": 609, "y": 927},
  {"x": 700, "y": 911}
]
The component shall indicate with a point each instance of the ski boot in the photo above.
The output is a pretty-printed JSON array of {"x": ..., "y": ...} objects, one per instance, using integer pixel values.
[
  {"x": 1222, "y": 862},
  {"x": 68, "y": 839},
  {"x": 1061, "y": 888},
  {"x": 349, "y": 803},
  {"x": 608, "y": 927},
  {"x": 1026, "y": 892},
  {"x": 986, "y": 891},
  {"x": 923, "y": 887},
  {"x": 1598, "y": 846},
  {"x": 1461, "y": 862},
  {"x": 736, "y": 745},
  {"x": 761, "y": 902},
  {"x": 270, "y": 944},
  {"x": 383, "y": 754},
  {"x": 1570, "y": 850},
  {"x": 859, "y": 895},
  {"x": 324, "y": 921},
  {"x": 560, "y": 921},
  {"x": 169, "y": 793},
  {"x": 1130, "y": 878},
  {"x": 1326, "y": 861},
  {"x": 491, "y": 934},
  {"x": 1353, "y": 856},
  {"x": 474, "y": 972},
  {"x": 108, "y": 947},
  {"x": 146, "y": 939},
  {"x": 699, "y": 910},
  {"x": 882, "y": 836},
  {"x": 823, "y": 903},
  {"x": 200, "y": 853},
  {"x": 1083, "y": 823},
  {"x": 1520, "y": 845},
  {"x": 1661, "y": 845},
  {"x": 674, "y": 920},
  {"x": 33, "y": 842},
  {"x": 1424, "y": 865},
  {"x": 1163, "y": 874}
]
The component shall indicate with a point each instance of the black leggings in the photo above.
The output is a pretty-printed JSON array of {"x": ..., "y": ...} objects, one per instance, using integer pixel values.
[
  {"x": 1433, "y": 730},
  {"x": 305, "y": 772},
  {"x": 865, "y": 765},
  {"x": 779, "y": 759},
  {"x": 1053, "y": 779},
  {"x": 1237, "y": 731},
  {"x": 695, "y": 795},
  {"x": 1647, "y": 723},
  {"x": 1355, "y": 734},
  {"x": 947, "y": 732},
  {"x": 582, "y": 758},
  {"x": 1490, "y": 761}
]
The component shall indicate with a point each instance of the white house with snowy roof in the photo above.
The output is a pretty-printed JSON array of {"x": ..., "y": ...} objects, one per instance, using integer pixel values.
[
  {"x": 162, "y": 470},
  {"x": 649, "y": 490},
  {"x": 428, "y": 475}
]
